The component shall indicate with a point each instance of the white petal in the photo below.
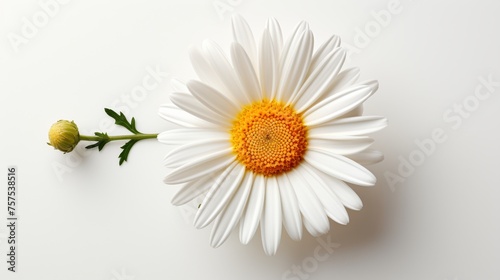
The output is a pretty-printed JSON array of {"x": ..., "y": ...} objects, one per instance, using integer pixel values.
[
  {"x": 223, "y": 69},
  {"x": 188, "y": 103},
  {"x": 199, "y": 167},
  {"x": 323, "y": 51},
  {"x": 245, "y": 71},
  {"x": 309, "y": 204},
  {"x": 349, "y": 126},
  {"x": 299, "y": 29},
  {"x": 269, "y": 66},
  {"x": 340, "y": 167},
  {"x": 339, "y": 104},
  {"x": 271, "y": 222},
  {"x": 368, "y": 156},
  {"x": 243, "y": 35},
  {"x": 341, "y": 145},
  {"x": 275, "y": 31},
  {"x": 331, "y": 203},
  {"x": 194, "y": 189},
  {"x": 203, "y": 68},
  {"x": 175, "y": 115},
  {"x": 346, "y": 195},
  {"x": 310, "y": 228},
  {"x": 195, "y": 149},
  {"x": 251, "y": 217},
  {"x": 218, "y": 196},
  {"x": 319, "y": 81},
  {"x": 292, "y": 219},
  {"x": 230, "y": 216},
  {"x": 356, "y": 112},
  {"x": 183, "y": 135},
  {"x": 213, "y": 99},
  {"x": 295, "y": 66},
  {"x": 344, "y": 79}
]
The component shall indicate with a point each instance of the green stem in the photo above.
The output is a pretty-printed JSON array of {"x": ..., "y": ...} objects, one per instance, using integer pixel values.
[{"x": 119, "y": 137}]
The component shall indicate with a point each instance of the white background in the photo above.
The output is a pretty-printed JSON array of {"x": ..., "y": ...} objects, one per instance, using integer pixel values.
[{"x": 81, "y": 216}]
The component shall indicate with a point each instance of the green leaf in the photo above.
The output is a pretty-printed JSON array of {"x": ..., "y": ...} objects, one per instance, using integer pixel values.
[
  {"x": 92, "y": 146},
  {"x": 104, "y": 139},
  {"x": 126, "y": 150},
  {"x": 121, "y": 120}
]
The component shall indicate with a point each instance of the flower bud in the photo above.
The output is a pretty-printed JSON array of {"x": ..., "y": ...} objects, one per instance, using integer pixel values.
[{"x": 64, "y": 136}]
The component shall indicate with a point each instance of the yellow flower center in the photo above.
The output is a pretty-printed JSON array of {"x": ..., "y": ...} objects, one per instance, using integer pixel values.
[{"x": 269, "y": 137}]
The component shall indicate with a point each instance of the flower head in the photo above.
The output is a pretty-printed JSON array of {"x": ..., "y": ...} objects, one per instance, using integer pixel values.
[
  {"x": 270, "y": 136},
  {"x": 64, "y": 136}
]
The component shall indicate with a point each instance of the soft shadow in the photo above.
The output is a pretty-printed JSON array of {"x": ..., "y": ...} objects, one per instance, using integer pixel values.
[{"x": 365, "y": 227}]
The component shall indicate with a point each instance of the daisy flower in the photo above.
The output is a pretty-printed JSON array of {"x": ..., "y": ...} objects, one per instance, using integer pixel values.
[{"x": 270, "y": 135}]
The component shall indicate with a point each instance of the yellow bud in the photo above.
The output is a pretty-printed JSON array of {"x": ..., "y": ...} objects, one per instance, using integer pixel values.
[{"x": 64, "y": 136}]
